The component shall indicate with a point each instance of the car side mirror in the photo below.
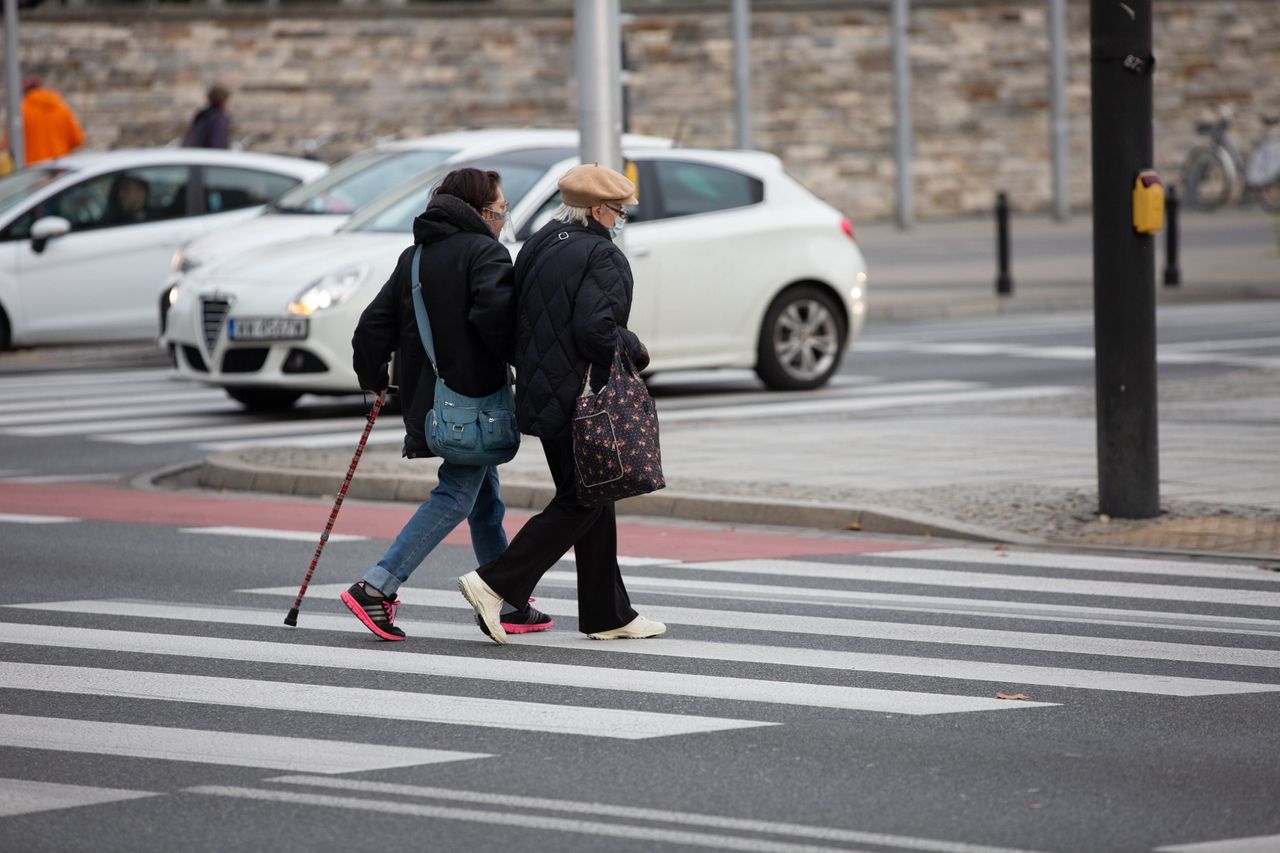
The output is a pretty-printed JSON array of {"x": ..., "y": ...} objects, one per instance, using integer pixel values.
[{"x": 48, "y": 228}]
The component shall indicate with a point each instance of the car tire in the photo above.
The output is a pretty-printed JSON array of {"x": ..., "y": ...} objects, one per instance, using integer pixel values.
[
  {"x": 802, "y": 339},
  {"x": 6, "y": 335},
  {"x": 264, "y": 399}
]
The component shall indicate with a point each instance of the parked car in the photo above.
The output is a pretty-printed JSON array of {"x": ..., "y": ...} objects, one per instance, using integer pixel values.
[
  {"x": 322, "y": 206},
  {"x": 736, "y": 265},
  {"x": 85, "y": 239}
]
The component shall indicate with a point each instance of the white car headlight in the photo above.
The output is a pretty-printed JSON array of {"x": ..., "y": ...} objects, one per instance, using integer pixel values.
[
  {"x": 330, "y": 290},
  {"x": 173, "y": 293}
]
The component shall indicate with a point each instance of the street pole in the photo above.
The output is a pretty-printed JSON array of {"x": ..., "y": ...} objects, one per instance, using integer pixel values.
[
  {"x": 742, "y": 70},
  {"x": 598, "y": 62},
  {"x": 1059, "y": 137},
  {"x": 1121, "y": 66},
  {"x": 902, "y": 112},
  {"x": 13, "y": 87}
]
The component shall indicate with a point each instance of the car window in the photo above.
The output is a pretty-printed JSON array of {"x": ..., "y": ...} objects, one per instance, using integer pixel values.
[
  {"x": 116, "y": 199},
  {"x": 20, "y": 186},
  {"x": 688, "y": 188},
  {"x": 360, "y": 179},
  {"x": 519, "y": 171},
  {"x": 228, "y": 188}
]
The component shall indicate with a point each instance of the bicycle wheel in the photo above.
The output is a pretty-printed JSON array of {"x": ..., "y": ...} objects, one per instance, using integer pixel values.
[
  {"x": 1263, "y": 174},
  {"x": 1268, "y": 196},
  {"x": 1206, "y": 183}
]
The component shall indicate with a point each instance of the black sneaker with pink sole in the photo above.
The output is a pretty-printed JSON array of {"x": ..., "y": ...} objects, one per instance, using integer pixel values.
[{"x": 378, "y": 613}]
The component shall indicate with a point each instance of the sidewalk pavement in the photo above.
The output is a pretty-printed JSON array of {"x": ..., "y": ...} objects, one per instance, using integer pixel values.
[{"x": 1017, "y": 471}]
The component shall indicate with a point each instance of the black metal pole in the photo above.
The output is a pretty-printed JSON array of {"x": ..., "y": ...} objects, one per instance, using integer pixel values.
[
  {"x": 1004, "y": 280},
  {"x": 1172, "y": 272},
  {"x": 1121, "y": 65}
]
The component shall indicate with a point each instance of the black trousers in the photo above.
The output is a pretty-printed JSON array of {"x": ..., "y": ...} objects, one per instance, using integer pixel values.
[{"x": 592, "y": 532}]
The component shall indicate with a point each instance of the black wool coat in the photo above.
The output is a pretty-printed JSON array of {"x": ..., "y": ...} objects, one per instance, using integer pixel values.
[
  {"x": 467, "y": 286},
  {"x": 573, "y": 299}
]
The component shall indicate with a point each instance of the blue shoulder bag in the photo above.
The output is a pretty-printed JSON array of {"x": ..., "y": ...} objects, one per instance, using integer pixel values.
[{"x": 460, "y": 429}]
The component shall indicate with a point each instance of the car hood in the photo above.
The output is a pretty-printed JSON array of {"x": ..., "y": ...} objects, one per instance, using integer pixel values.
[
  {"x": 292, "y": 265},
  {"x": 223, "y": 243}
]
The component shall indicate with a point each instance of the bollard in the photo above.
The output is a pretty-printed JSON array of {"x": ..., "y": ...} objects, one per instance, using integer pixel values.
[
  {"x": 1172, "y": 273},
  {"x": 1004, "y": 281}
]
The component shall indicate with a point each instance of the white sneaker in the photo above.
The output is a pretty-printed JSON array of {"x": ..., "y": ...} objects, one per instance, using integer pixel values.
[
  {"x": 486, "y": 603},
  {"x": 638, "y": 628}
]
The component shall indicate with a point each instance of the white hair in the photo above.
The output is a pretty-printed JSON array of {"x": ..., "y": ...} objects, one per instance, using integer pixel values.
[{"x": 569, "y": 213}]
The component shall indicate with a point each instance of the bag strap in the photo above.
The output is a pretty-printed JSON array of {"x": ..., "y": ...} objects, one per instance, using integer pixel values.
[{"x": 420, "y": 310}]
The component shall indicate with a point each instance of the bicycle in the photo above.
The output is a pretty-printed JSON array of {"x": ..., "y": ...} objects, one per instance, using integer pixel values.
[{"x": 1212, "y": 172}]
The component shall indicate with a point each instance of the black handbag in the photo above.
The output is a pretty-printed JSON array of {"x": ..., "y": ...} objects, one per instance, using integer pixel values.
[{"x": 616, "y": 452}]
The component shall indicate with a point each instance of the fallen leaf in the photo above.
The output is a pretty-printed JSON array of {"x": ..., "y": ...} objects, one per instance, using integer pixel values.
[
  {"x": 853, "y": 525},
  {"x": 1033, "y": 805},
  {"x": 1104, "y": 519},
  {"x": 1021, "y": 697}
]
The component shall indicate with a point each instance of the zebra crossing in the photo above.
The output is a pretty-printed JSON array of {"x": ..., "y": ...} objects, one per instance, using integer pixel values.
[
  {"x": 147, "y": 407},
  {"x": 863, "y": 636}
]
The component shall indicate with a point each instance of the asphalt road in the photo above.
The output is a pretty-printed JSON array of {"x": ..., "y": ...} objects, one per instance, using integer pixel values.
[{"x": 815, "y": 691}]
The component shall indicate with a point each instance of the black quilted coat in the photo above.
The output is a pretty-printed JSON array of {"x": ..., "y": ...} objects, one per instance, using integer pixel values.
[
  {"x": 573, "y": 298},
  {"x": 467, "y": 288}
]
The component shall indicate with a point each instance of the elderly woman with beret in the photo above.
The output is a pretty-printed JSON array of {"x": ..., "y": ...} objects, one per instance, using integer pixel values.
[{"x": 573, "y": 298}]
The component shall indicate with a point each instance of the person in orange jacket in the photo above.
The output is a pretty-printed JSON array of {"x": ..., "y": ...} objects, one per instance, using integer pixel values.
[{"x": 49, "y": 126}]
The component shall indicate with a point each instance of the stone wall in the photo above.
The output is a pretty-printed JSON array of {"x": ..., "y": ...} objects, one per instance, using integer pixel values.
[{"x": 345, "y": 77}]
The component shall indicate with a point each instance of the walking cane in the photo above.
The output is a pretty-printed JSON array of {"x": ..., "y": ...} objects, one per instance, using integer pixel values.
[{"x": 292, "y": 618}]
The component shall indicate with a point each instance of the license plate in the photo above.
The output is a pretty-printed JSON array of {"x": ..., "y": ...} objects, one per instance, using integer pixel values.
[{"x": 267, "y": 328}]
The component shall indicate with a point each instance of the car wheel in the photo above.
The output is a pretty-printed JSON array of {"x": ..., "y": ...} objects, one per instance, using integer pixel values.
[
  {"x": 801, "y": 341},
  {"x": 264, "y": 399},
  {"x": 6, "y": 336}
]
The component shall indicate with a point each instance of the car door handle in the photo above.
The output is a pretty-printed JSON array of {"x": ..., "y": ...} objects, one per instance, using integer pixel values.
[{"x": 638, "y": 251}]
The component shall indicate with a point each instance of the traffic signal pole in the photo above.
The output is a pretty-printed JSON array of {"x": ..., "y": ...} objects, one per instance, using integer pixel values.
[
  {"x": 598, "y": 64},
  {"x": 12, "y": 86},
  {"x": 1121, "y": 66}
]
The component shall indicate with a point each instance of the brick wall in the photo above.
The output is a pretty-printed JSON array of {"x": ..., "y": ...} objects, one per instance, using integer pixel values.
[{"x": 821, "y": 80}]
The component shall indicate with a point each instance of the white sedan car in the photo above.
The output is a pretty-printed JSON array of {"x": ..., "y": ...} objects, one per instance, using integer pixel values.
[
  {"x": 735, "y": 264},
  {"x": 86, "y": 239}
]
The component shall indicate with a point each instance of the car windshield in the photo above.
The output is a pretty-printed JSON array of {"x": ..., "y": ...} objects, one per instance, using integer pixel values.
[
  {"x": 358, "y": 180},
  {"x": 520, "y": 170},
  {"x": 22, "y": 185}
]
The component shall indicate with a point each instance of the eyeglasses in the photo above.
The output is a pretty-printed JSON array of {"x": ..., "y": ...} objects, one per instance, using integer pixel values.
[
  {"x": 499, "y": 215},
  {"x": 618, "y": 212}
]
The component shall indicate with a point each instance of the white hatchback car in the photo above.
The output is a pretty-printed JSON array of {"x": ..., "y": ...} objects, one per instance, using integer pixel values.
[
  {"x": 735, "y": 263},
  {"x": 85, "y": 240}
]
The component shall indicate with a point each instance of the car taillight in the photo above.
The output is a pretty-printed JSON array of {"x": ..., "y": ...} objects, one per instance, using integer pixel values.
[{"x": 847, "y": 227}]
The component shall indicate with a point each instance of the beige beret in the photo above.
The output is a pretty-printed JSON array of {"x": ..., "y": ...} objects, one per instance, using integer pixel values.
[{"x": 591, "y": 184}]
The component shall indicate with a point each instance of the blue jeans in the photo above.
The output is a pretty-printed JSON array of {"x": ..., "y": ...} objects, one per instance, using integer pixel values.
[{"x": 462, "y": 491}]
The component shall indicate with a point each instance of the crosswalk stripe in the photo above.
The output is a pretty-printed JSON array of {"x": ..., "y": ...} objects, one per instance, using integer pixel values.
[
  {"x": 260, "y": 533},
  {"x": 17, "y": 518},
  {"x": 1255, "y": 844},
  {"x": 96, "y": 397},
  {"x": 135, "y": 409},
  {"x": 23, "y": 796},
  {"x": 518, "y": 803},
  {"x": 361, "y": 702},
  {"x": 50, "y": 430},
  {"x": 1084, "y": 562},
  {"x": 142, "y": 378},
  {"x": 874, "y": 630},
  {"x": 512, "y": 671},
  {"x": 160, "y": 436},
  {"x": 984, "y": 580},
  {"x": 335, "y": 439},
  {"x": 694, "y": 649},
  {"x": 201, "y": 746}
]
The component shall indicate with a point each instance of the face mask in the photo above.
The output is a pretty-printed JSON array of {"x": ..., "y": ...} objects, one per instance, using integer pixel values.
[{"x": 616, "y": 229}]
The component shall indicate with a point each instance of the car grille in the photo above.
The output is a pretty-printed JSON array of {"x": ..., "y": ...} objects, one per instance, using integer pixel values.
[
  {"x": 213, "y": 314},
  {"x": 245, "y": 360}
]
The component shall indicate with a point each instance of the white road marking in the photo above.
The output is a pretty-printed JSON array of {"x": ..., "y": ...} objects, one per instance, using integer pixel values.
[
  {"x": 1257, "y": 844},
  {"x": 273, "y": 752},
  {"x": 256, "y": 533},
  {"x": 335, "y": 439},
  {"x": 136, "y": 409},
  {"x": 867, "y": 404},
  {"x": 229, "y": 431},
  {"x": 985, "y": 580},
  {"x": 1015, "y": 560},
  {"x": 145, "y": 381},
  {"x": 105, "y": 397},
  {"x": 22, "y": 796},
  {"x": 931, "y": 667},
  {"x": 63, "y": 478},
  {"x": 16, "y": 518},
  {"x": 519, "y": 803},
  {"x": 512, "y": 671},
  {"x": 62, "y": 428},
  {"x": 359, "y": 701}
]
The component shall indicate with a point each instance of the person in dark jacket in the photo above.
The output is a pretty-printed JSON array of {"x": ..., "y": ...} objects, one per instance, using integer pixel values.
[
  {"x": 467, "y": 289},
  {"x": 573, "y": 298},
  {"x": 211, "y": 126}
]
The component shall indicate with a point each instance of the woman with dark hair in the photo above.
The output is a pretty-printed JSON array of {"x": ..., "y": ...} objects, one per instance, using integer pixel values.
[{"x": 467, "y": 287}]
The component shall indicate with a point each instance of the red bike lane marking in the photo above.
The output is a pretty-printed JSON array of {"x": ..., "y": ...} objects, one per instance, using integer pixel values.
[{"x": 677, "y": 541}]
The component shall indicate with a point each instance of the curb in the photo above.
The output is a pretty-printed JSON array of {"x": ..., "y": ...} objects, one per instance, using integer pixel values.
[{"x": 227, "y": 471}]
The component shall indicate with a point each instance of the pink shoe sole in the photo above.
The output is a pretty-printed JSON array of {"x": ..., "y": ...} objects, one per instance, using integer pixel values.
[
  {"x": 358, "y": 612},
  {"x": 527, "y": 629}
]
